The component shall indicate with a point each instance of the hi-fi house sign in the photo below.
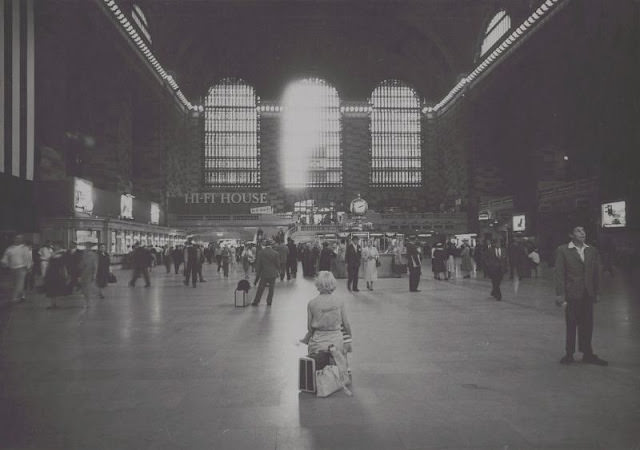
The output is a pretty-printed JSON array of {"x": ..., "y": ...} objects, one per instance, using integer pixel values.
[{"x": 227, "y": 198}]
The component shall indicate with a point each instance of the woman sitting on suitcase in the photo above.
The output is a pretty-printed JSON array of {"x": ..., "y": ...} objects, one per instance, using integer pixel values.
[{"x": 326, "y": 317}]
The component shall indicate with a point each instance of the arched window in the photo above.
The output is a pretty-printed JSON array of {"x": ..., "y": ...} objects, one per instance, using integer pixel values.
[
  {"x": 231, "y": 153},
  {"x": 395, "y": 136},
  {"x": 310, "y": 152},
  {"x": 498, "y": 27}
]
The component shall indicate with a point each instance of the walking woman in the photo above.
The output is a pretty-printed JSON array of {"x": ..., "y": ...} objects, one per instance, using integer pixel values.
[
  {"x": 466, "y": 265},
  {"x": 104, "y": 269},
  {"x": 370, "y": 259}
]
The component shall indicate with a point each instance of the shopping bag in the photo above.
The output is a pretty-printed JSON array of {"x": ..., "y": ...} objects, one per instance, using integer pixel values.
[{"x": 328, "y": 381}]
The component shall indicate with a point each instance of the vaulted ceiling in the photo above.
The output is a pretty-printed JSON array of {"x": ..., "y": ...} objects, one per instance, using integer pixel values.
[{"x": 353, "y": 44}]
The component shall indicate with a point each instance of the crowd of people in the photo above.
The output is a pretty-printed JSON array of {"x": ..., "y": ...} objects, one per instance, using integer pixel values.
[{"x": 59, "y": 272}]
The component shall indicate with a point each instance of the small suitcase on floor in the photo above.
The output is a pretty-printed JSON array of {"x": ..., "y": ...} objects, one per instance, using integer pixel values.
[
  {"x": 243, "y": 299},
  {"x": 307, "y": 374},
  {"x": 243, "y": 286}
]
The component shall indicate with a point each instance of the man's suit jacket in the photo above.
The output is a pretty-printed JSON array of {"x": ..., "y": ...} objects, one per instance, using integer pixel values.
[
  {"x": 493, "y": 264},
  {"x": 353, "y": 256},
  {"x": 575, "y": 278},
  {"x": 267, "y": 264}
]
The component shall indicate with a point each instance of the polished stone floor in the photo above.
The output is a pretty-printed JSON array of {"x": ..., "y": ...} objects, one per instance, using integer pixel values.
[{"x": 175, "y": 367}]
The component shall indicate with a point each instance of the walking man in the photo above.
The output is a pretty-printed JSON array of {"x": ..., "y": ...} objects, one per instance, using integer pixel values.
[
  {"x": 267, "y": 270},
  {"x": 495, "y": 263},
  {"x": 19, "y": 259},
  {"x": 577, "y": 275},
  {"x": 141, "y": 260},
  {"x": 353, "y": 258}
]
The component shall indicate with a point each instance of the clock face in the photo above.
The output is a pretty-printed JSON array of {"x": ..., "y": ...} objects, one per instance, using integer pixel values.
[{"x": 359, "y": 206}]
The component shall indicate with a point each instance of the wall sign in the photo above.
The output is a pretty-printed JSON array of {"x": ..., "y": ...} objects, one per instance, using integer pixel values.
[
  {"x": 519, "y": 223},
  {"x": 83, "y": 196},
  {"x": 226, "y": 198},
  {"x": 126, "y": 206},
  {"x": 614, "y": 214},
  {"x": 155, "y": 213}
]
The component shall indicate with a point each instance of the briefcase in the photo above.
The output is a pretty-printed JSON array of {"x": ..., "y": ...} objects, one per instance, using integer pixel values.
[{"x": 307, "y": 374}]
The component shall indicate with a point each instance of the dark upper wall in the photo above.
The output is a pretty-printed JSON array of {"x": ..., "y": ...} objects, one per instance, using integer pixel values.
[
  {"x": 572, "y": 90},
  {"x": 352, "y": 44},
  {"x": 99, "y": 102}
]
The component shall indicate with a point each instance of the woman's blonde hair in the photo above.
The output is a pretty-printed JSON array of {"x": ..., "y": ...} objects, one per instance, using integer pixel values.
[{"x": 325, "y": 282}]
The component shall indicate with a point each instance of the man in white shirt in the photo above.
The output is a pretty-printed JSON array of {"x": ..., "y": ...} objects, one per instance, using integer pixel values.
[
  {"x": 18, "y": 258},
  {"x": 577, "y": 278}
]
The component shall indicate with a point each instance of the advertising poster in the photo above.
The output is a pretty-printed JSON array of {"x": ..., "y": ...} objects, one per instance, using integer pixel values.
[{"x": 614, "y": 214}]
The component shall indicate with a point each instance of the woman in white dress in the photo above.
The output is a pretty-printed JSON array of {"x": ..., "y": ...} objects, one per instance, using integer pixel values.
[{"x": 370, "y": 257}]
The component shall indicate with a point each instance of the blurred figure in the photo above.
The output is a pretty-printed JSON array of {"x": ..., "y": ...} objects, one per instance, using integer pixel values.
[
  {"x": 19, "y": 259},
  {"x": 74, "y": 260},
  {"x": 283, "y": 253},
  {"x": 292, "y": 259},
  {"x": 341, "y": 265},
  {"x": 466, "y": 265},
  {"x": 45, "y": 253},
  {"x": 225, "y": 257},
  {"x": 88, "y": 269},
  {"x": 167, "y": 257},
  {"x": 248, "y": 258},
  {"x": 141, "y": 261},
  {"x": 534, "y": 258},
  {"x": 178, "y": 258},
  {"x": 56, "y": 280},
  {"x": 104, "y": 269},
  {"x": 495, "y": 260},
  {"x": 414, "y": 265},
  {"x": 451, "y": 260}
]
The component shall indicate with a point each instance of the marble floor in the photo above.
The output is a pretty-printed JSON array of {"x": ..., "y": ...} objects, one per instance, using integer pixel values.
[{"x": 171, "y": 367}]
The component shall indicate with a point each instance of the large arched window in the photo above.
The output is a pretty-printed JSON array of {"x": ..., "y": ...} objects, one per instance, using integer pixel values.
[
  {"x": 498, "y": 27},
  {"x": 395, "y": 136},
  {"x": 310, "y": 152},
  {"x": 231, "y": 153}
]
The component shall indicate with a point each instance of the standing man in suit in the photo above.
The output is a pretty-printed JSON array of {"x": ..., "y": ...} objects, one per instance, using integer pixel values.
[
  {"x": 495, "y": 263},
  {"x": 283, "y": 252},
  {"x": 577, "y": 276},
  {"x": 267, "y": 270},
  {"x": 292, "y": 259},
  {"x": 353, "y": 258},
  {"x": 415, "y": 266}
]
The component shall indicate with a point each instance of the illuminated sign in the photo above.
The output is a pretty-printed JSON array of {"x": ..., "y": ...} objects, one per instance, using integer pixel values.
[
  {"x": 614, "y": 214},
  {"x": 126, "y": 206},
  {"x": 519, "y": 223},
  {"x": 83, "y": 196},
  {"x": 155, "y": 213}
]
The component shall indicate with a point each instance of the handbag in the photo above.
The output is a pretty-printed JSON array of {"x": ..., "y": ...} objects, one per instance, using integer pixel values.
[
  {"x": 378, "y": 263},
  {"x": 112, "y": 278},
  {"x": 328, "y": 381}
]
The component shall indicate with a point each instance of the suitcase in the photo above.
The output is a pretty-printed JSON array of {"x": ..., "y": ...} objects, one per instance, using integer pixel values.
[
  {"x": 243, "y": 286},
  {"x": 307, "y": 374},
  {"x": 242, "y": 298}
]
